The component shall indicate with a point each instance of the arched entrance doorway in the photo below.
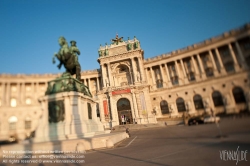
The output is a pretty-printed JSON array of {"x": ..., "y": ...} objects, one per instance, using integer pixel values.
[{"x": 124, "y": 109}]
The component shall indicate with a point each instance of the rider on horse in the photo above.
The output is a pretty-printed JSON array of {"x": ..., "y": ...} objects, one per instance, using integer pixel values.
[{"x": 68, "y": 57}]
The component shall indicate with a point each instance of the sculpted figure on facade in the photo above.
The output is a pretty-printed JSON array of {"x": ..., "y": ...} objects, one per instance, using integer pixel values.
[
  {"x": 107, "y": 82},
  {"x": 226, "y": 100},
  {"x": 136, "y": 43},
  {"x": 171, "y": 109},
  {"x": 206, "y": 103},
  {"x": 155, "y": 110},
  {"x": 138, "y": 76},
  {"x": 187, "y": 106}
]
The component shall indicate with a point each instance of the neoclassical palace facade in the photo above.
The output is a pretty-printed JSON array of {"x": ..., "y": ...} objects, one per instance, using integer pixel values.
[{"x": 210, "y": 75}]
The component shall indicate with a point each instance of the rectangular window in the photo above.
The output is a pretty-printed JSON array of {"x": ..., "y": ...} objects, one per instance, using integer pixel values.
[
  {"x": 191, "y": 76},
  {"x": 159, "y": 83},
  {"x": 209, "y": 72},
  {"x": 175, "y": 80},
  {"x": 27, "y": 124},
  {"x": 12, "y": 126},
  {"x": 229, "y": 67}
]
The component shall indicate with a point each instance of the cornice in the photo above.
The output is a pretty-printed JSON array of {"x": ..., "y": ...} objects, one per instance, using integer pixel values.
[
  {"x": 205, "y": 43},
  {"x": 121, "y": 56}
]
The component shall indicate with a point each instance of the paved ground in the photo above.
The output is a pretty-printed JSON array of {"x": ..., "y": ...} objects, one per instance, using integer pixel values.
[{"x": 176, "y": 145}]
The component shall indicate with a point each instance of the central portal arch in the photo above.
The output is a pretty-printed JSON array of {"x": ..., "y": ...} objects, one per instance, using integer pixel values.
[{"x": 124, "y": 108}]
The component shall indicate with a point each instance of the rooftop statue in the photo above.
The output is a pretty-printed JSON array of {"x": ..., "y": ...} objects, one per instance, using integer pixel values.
[
  {"x": 68, "y": 56},
  {"x": 117, "y": 40}
]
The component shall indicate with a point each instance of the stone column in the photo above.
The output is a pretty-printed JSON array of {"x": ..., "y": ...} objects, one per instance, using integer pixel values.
[
  {"x": 241, "y": 55},
  {"x": 236, "y": 65},
  {"x": 168, "y": 77},
  {"x": 163, "y": 77},
  {"x": 222, "y": 69},
  {"x": 184, "y": 72},
  {"x": 101, "y": 110},
  {"x": 195, "y": 68},
  {"x": 135, "y": 105},
  {"x": 203, "y": 75},
  {"x": 153, "y": 77},
  {"x": 183, "y": 68},
  {"x": 111, "y": 82},
  {"x": 113, "y": 113},
  {"x": 141, "y": 69},
  {"x": 214, "y": 65},
  {"x": 90, "y": 88},
  {"x": 134, "y": 69},
  {"x": 37, "y": 91},
  {"x": 3, "y": 103},
  {"x": 97, "y": 83},
  {"x": 102, "y": 77},
  {"x": 7, "y": 94},
  {"x": 19, "y": 93},
  {"x": 178, "y": 73},
  {"x": 146, "y": 76},
  {"x": 23, "y": 92},
  {"x": 94, "y": 112}
]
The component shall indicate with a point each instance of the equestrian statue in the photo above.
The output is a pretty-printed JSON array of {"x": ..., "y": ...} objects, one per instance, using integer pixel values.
[{"x": 68, "y": 56}]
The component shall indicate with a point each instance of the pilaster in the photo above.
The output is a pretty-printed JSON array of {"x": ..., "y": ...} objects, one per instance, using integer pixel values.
[
  {"x": 111, "y": 82},
  {"x": 7, "y": 94},
  {"x": 236, "y": 65},
  {"x": 243, "y": 62},
  {"x": 141, "y": 69},
  {"x": 153, "y": 78},
  {"x": 134, "y": 69}
]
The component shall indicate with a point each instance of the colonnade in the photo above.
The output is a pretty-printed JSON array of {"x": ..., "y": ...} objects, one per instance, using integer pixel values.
[
  {"x": 19, "y": 92},
  {"x": 197, "y": 66}
]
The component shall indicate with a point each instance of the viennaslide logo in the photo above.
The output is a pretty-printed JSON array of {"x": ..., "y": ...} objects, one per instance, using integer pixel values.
[{"x": 233, "y": 155}]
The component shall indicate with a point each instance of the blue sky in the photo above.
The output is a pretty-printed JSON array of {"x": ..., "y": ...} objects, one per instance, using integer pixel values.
[{"x": 30, "y": 29}]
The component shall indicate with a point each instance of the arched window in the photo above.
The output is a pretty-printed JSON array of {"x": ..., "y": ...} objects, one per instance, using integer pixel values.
[
  {"x": 238, "y": 95},
  {"x": 198, "y": 102},
  {"x": 180, "y": 105},
  {"x": 12, "y": 123},
  {"x": 217, "y": 99},
  {"x": 164, "y": 107},
  {"x": 123, "y": 76}
]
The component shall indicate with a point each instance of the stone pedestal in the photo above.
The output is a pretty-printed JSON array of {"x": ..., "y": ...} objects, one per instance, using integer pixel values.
[{"x": 67, "y": 115}]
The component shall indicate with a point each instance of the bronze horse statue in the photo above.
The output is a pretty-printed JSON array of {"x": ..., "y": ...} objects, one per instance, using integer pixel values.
[{"x": 68, "y": 57}]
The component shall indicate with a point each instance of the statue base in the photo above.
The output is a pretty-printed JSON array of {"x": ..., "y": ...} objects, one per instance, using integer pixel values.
[
  {"x": 67, "y": 115},
  {"x": 67, "y": 83}
]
